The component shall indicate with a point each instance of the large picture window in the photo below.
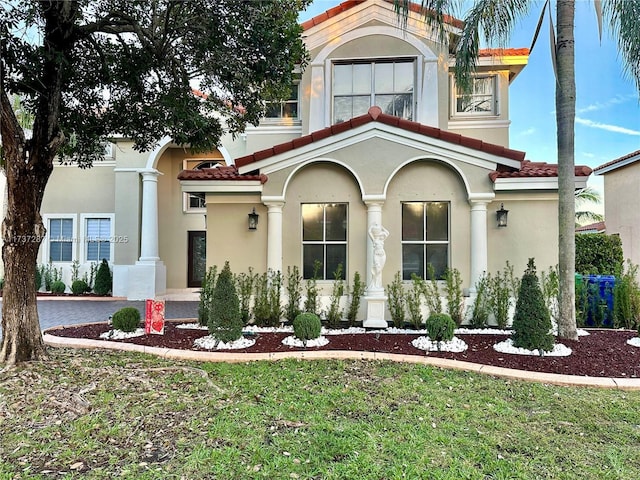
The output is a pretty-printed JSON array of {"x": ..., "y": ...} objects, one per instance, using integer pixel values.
[
  {"x": 324, "y": 239},
  {"x": 481, "y": 101},
  {"x": 357, "y": 86},
  {"x": 60, "y": 239},
  {"x": 425, "y": 239}
]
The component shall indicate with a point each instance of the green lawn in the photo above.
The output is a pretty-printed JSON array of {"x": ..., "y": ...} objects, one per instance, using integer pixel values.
[{"x": 106, "y": 415}]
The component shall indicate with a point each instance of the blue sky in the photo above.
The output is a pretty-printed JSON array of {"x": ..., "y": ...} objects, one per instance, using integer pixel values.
[{"x": 607, "y": 106}]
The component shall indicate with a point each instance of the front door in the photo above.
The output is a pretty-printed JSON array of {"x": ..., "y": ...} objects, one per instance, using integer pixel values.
[{"x": 197, "y": 262}]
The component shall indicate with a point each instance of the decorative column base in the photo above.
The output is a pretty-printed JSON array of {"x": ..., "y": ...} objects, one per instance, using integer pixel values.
[
  {"x": 376, "y": 308},
  {"x": 141, "y": 281}
]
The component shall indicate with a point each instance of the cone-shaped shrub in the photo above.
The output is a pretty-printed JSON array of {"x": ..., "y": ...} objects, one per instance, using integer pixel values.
[
  {"x": 103, "y": 282},
  {"x": 532, "y": 321},
  {"x": 225, "y": 321},
  {"x": 307, "y": 326}
]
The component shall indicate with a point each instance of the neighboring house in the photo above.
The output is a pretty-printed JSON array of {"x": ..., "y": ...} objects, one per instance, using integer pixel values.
[
  {"x": 375, "y": 132},
  {"x": 597, "y": 227},
  {"x": 622, "y": 197}
]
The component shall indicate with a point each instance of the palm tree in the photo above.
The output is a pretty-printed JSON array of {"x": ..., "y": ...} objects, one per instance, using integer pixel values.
[
  {"x": 588, "y": 195},
  {"x": 493, "y": 21}
]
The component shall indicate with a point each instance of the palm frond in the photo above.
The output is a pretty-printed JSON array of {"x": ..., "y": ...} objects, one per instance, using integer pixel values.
[
  {"x": 624, "y": 21},
  {"x": 585, "y": 216},
  {"x": 588, "y": 195}
]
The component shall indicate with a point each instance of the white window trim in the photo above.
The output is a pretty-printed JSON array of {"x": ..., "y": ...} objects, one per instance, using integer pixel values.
[
  {"x": 82, "y": 241},
  {"x": 282, "y": 121},
  {"x": 324, "y": 243},
  {"x": 417, "y": 84},
  {"x": 426, "y": 242},
  {"x": 45, "y": 247},
  {"x": 185, "y": 204},
  {"x": 495, "y": 113}
]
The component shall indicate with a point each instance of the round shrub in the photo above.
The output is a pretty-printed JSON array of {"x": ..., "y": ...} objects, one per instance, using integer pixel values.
[
  {"x": 440, "y": 327},
  {"x": 58, "y": 287},
  {"x": 78, "y": 287},
  {"x": 126, "y": 319},
  {"x": 306, "y": 326}
]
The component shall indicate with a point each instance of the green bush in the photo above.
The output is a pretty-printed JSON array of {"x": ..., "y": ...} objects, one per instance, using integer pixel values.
[
  {"x": 626, "y": 299},
  {"x": 356, "y": 292},
  {"x": 598, "y": 254},
  {"x": 78, "y": 287},
  {"x": 414, "y": 301},
  {"x": 104, "y": 280},
  {"x": 294, "y": 293},
  {"x": 481, "y": 303},
  {"x": 38, "y": 278},
  {"x": 334, "y": 315},
  {"x": 267, "y": 309},
  {"x": 126, "y": 319},
  {"x": 532, "y": 321},
  {"x": 225, "y": 322},
  {"x": 499, "y": 289},
  {"x": 453, "y": 291},
  {"x": 307, "y": 326},
  {"x": 206, "y": 295},
  {"x": 440, "y": 328},
  {"x": 244, "y": 286},
  {"x": 58, "y": 287},
  {"x": 395, "y": 293}
]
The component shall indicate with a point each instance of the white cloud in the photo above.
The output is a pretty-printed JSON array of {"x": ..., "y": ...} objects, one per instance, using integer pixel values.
[
  {"x": 618, "y": 99},
  {"x": 529, "y": 131},
  {"x": 607, "y": 127}
]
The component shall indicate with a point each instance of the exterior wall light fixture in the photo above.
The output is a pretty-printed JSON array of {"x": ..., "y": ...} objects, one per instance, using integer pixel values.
[
  {"x": 501, "y": 216},
  {"x": 253, "y": 220}
]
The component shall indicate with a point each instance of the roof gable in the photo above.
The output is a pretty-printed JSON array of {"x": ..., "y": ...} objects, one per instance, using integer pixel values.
[
  {"x": 263, "y": 158},
  {"x": 618, "y": 163}
]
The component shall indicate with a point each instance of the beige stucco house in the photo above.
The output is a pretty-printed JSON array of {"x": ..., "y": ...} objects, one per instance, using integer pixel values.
[
  {"x": 374, "y": 133},
  {"x": 622, "y": 196}
]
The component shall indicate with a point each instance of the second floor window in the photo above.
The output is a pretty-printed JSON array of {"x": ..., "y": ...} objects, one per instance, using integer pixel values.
[
  {"x": 324, "y": 239},
  {"x": 480, "y": 102},
  {"x": 357, "y": 86},
  {"x": 286, "y": 109}
]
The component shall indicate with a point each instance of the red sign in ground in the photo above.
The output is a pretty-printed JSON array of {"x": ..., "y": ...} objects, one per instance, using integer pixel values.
[{"x": 154, "y": 317}]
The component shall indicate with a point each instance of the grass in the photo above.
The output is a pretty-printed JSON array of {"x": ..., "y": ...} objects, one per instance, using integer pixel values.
[{"x": 94, "y": 414}]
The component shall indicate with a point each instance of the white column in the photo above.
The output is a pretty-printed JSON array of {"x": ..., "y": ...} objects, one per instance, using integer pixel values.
[
  {"x": 374, "y": 216},
  {"x": 149, "y": 222},
  {"x": 274, "y": 236},
  {"x": 479, "y": 257},
  {"x": 316, "y": 102}
]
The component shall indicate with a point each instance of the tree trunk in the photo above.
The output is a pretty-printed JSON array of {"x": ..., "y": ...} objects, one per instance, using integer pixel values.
[{"x": 565, "y": 119}]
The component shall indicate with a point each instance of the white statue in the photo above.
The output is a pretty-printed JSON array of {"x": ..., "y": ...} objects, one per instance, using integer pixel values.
[{"x": 378, "y": 235}]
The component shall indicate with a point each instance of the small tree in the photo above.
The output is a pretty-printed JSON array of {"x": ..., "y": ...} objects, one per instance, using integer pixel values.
[
  {"x": 626, "y": 298},
  {"x": 206, "y": 295},
  {"x": 455, "y": 299},
  {"x": 294, "y": 293},
  {"x": 311, "y": 302},
  {"x": 395, "y": 293},
  {"x": 225, "y": 322},
  {"x": 357, "y": 290},
  {"x": 103, "y": 279},
  {"x": 532, "y": 321},
  {"x": 414, "y": 301},
  {"x": 481, "y": 303},
  {"x": 244, "y": 283},
  {"x": 334, "y": 315},
  {"x": 432, "y": 292}
]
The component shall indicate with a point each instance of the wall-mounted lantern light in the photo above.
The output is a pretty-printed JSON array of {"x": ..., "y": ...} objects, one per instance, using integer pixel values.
[
  {"x": 253, "y": 220},
  {"x": 501, "y": 216}
]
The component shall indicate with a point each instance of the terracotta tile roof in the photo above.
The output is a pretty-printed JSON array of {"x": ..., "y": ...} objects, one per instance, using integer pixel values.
[
  {"x": 344, "y": 6},
  {"x": 503, "y": 52},
  {"x": 220, "y": 173},
  {"x": 529, "y": 169},
  {"x": 592, "y": 227},
  {"x": 375, "y": 115},
  {"x": 618, "y": 160}
]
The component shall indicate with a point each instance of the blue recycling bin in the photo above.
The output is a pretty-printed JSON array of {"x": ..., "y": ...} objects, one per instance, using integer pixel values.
[{"x": 597, "y": 299}]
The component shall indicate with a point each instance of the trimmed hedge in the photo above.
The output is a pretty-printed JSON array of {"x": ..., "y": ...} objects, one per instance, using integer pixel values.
[
  {"x": 307, "y": 326},
  {"x": 126, "y": 319},
  {"x": 598, "y": 254}
]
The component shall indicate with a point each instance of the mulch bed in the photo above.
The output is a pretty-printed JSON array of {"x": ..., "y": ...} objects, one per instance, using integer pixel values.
[{"x": 603, "y": 353}]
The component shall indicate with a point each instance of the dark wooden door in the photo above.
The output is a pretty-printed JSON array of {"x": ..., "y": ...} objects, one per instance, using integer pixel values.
[{"x": 197, "y": 262}]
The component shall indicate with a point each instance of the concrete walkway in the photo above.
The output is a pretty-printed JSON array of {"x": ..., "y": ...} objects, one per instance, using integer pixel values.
[{"x": 54, "y": 312}]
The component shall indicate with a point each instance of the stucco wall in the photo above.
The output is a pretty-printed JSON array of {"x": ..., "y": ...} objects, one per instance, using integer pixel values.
[{"x": 622, "y": 192}]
